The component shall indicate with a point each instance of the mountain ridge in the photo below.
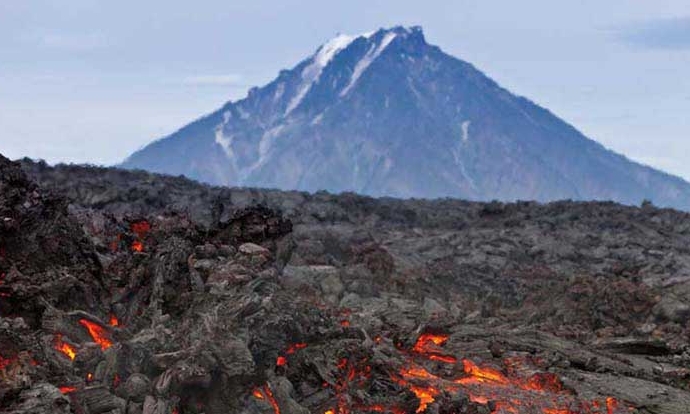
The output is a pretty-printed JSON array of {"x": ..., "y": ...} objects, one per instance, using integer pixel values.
[{"x": 387, "y": 114}]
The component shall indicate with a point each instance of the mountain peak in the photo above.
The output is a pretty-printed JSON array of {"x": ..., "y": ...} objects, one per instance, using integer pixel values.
[
  {"x": 376, "y": 43},
  {"x": 409, "y": 33},
  {"x": 342, "y": 41}
]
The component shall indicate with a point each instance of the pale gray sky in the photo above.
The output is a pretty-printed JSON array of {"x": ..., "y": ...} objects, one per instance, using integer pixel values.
[{"x": 92, "y": 81}]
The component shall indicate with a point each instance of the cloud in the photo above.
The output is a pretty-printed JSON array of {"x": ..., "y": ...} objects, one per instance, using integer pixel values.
[
  {"x": 214, "y": 80},
  {"x": 671, "y": 33}
]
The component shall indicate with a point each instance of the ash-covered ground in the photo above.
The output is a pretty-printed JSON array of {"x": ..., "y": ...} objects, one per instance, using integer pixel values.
[{"x": 128, "y": 292}]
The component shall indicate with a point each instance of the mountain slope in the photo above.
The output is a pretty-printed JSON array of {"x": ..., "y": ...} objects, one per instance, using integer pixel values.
[{"x": 388, "y": 114}]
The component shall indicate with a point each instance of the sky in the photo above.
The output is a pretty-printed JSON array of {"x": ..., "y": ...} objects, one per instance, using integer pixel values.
[{"x": 90, "y": 81}]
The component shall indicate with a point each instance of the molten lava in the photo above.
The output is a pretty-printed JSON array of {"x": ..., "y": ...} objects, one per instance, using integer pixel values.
[
  {"x": 428, "y": 345},
  {"x": 426, "y": 396},
  {"x": 64, "y": 347},
  {"x": 271, "y": 399},
  {"x": 481, "y": 375},
  {"x": 412, "y": 378},
  {"x": 265, "y": 393},
  {"x": 517, "y": 386},
  {"x": 521, "y": 390},
  {"x": 426, "y": 340},
  {"x": 137, "y": 246},
  {"x": 67, "y": 389},
  {"x": 295, "y": 347},
  {"x": 611, "y": 405},
  {"x": 113, "y": 320},
  {"x": 98, "y": 333},
  {"x": 544, "y": 381},
  {"x": 282, "y": 361}
]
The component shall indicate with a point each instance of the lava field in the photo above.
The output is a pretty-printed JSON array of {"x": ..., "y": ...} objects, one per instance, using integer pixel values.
[{"x": 133, "y": 293}]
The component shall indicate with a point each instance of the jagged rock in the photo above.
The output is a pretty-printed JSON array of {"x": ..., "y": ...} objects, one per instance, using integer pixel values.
[
  {"x": 635, "y": 346},
  {"x": 153, "y": 405},
  {"x": 206, "y": 251},
  {"x": 136, "y": 387},
  {"x": 252, "y": 249},
  {"x": 331, "y": 285},
  {"x": 40, "y": 399},
  {"x": 98, "y": 400},
  {"x": 672, "y": 309},
  {"x": 282, "y": 390}
]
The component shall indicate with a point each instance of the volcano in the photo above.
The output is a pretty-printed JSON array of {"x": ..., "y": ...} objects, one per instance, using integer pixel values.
[{"x": 387, "y": 114}]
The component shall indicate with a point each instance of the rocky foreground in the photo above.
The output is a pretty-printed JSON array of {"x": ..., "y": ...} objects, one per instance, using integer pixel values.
[{"x": 127, "y": 292}]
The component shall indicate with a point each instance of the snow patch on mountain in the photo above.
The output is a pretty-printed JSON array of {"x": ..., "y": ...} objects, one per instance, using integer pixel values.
[
  {"x": 317, "y": 119},
  {"x": 280, "y": 90},
  {"x": 265, "y": 145},
  {"x": 243, "y": 114},
  {"x": 224, "y": 142},
  {"x": 465, "y": 130},
  {"x": 312, "y": 72},
  {"x": 364, "y": 63}
]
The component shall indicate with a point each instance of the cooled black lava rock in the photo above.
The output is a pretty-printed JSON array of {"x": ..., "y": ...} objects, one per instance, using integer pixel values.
[{"x": 295, "y": 302}]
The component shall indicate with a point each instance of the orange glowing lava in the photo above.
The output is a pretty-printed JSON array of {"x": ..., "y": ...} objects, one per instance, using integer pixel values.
[
  {"x": 513, "y": 387},
  {"x": 137, "y": 246},
  {"x": 271, "y": 399},
  {"x": 428, "y": 344},
  {"x": 67, "y": 389},
  {"x": 98, "y": 333},
  {"x": 295, "y": 347},
  {"x": 426, "y": 340},
  {"x": 425, "y": 395},
  {"x": 264, "y": 393},
  {"x": 611, "y": 405},
  {"x": 282, "y": 359},
  {"x": 544, "y": 381},
  {"x": 65, "y": 348},
  {"x": 519, "y": 390},
  {"x": 113, "y": 320},
  {"x": 417, "y": 372},
  {"x": 477, "y": 374}
]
